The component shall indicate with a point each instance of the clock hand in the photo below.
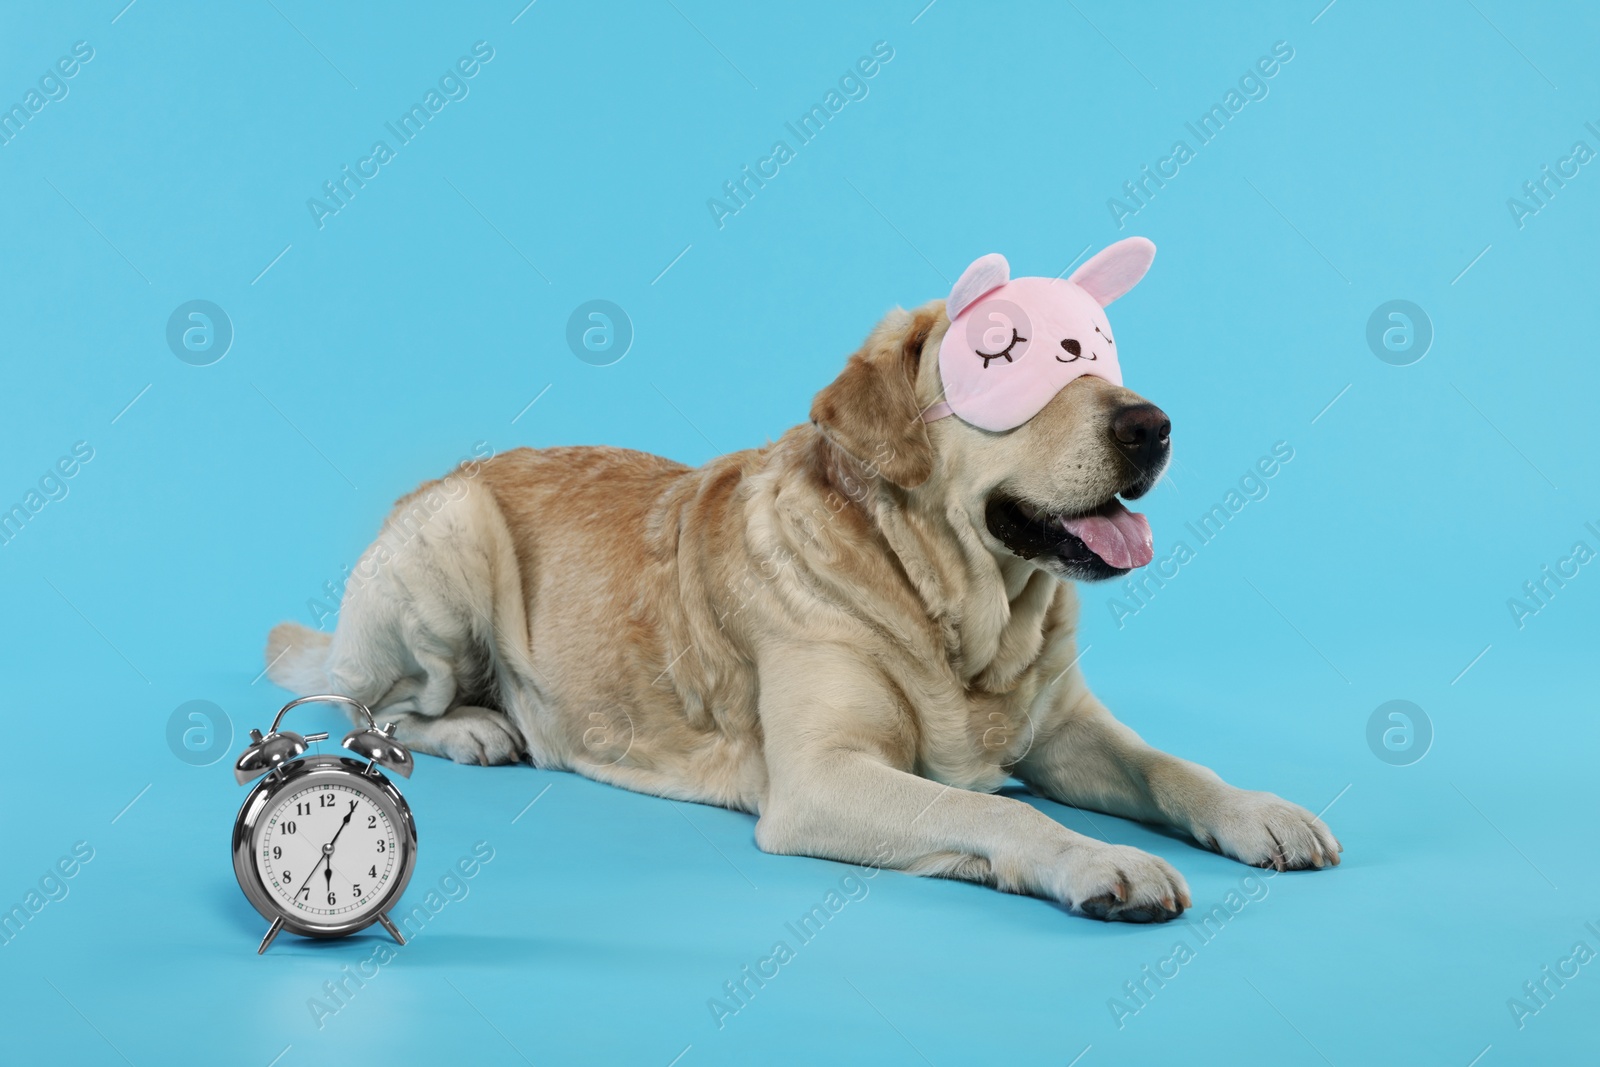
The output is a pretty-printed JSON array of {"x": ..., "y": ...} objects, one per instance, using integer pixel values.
[
  {"x": 308, "y": 879},
  {"x": 327, "y": 850}
]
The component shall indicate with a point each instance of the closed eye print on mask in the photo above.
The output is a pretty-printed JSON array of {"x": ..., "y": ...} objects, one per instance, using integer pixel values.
[
  {"x": 1075, "y": 350},
  {"x": 1005, "y": 352}
]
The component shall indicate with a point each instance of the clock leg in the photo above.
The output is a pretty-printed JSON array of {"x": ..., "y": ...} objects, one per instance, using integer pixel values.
[
  {"x": 272, "y": 932},
  {"x": 394, "y": 931}
]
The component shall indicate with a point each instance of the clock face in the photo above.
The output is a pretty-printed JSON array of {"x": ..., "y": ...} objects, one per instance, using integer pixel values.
[{"x": 327, "y": 853}]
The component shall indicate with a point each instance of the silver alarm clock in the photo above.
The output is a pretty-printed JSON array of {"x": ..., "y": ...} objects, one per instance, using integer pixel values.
[{"x": 324, "y": 845}]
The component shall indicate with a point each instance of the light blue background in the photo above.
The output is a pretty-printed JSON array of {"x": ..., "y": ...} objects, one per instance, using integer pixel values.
[{"x": 427, "y": 314}]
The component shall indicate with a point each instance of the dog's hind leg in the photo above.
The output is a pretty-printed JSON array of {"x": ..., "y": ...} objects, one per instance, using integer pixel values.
[
  {"x": 466, "y": 734},
  {"x": 419, "y": 625}
]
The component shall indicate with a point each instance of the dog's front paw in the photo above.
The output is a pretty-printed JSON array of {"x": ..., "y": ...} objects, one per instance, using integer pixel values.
[
  {"x": 1264, "y": 830},
  {"x": 1122, "y": 884}
]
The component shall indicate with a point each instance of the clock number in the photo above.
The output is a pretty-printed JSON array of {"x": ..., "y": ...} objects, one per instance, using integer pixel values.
[
  {"x": 381, "y": 846},
  {"x": 372, "y": 872},
  {"x": 285, "y": 877},
  {"x": 305, "y": 892},
  {"x": 288, "y": 827},
  {"x": 327, "y": 800},
  {"x": 355, "y": 889},
  {"x": 303, "y": 809},
  {"x": 277, "y": 853},
  {"x": 330, "y": 898},
  {"x": 372, "y": 822}
]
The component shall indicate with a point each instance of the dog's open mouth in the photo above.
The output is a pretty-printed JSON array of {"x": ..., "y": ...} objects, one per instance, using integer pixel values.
[{"x": 1103, "y": 543}]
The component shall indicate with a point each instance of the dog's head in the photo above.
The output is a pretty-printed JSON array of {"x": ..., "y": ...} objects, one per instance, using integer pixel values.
[{"x": 1045, "y": 438}]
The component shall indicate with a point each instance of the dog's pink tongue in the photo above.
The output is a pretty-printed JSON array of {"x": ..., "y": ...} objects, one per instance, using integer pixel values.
[{"x": 1120, "y": 537}]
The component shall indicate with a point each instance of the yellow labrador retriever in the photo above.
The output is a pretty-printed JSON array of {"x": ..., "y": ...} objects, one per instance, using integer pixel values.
[{"x": 858, "y": 632}]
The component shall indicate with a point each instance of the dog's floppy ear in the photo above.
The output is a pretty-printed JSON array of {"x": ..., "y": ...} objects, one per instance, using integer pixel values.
[
  {"x": 1115, "y": 269},
  {"x": 871, "y": 412}
]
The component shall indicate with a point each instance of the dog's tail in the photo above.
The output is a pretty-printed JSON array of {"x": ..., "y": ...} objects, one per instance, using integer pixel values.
[{"x": 297, "y": 658}]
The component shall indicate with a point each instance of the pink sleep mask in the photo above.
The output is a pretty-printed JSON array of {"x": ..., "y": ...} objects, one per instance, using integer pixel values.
[{"x": 1014, "y": 343}]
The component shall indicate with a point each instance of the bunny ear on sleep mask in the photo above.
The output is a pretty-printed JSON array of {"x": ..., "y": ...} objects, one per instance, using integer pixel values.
[
  {"x": 1115, "y": 269},
  {"x": 1014, "y": 343}
]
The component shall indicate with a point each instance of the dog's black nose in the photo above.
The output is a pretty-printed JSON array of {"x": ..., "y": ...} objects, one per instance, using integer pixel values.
[{"x": 1143, "y": 433}]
